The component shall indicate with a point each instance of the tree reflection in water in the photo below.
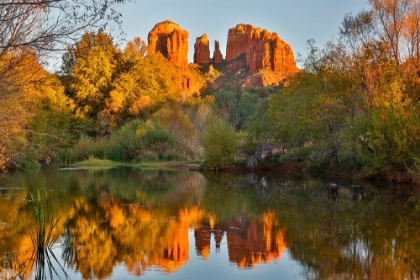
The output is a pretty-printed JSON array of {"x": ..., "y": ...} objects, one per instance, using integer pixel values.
[{"x": 141, "y": 219}]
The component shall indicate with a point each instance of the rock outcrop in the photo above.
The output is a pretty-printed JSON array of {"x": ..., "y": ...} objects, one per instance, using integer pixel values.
[
  {"x": 217, "y": 55},
  {"x": 171, "y": 40},
  {"x": 254, "y": 56},
  {"x": 263, "y": 50},
  {"x": 202, "y": 50}
]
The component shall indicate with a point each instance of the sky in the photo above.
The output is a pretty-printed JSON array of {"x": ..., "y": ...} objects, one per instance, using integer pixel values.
[{"x": 295, "y": 21}]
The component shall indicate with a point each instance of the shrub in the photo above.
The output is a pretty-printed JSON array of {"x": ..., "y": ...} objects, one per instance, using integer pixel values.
[
  {"x": 136, "y": 140},
  {"x": 219, "y": 143},
  {"x": 83, "y": 148}
]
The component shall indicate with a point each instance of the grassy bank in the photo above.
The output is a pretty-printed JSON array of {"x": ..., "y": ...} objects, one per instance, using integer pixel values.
[{"x": 104, "y": 163}]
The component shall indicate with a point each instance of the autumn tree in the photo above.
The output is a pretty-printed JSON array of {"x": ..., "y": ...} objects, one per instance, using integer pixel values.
[
  {"x": 179, "y": 124},
  {"x": 383, "y": 44},
  {"x": 30, "y": 111},
  {"x": 356, "y": 102},
  {"x": 391, "y": 17},
  {"x": 15, "y": 82},
  {"x": 30, "y": 32},
  {"x": 151, "y": 82},
  {"x": 96, "y": 58}
]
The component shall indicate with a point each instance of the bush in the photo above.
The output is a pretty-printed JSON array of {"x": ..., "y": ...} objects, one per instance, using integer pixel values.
[
  {"x": 83, "y": 148},
  {"x": 136, "y": 140},
  {"x": 220, "y": 144},
  {"x": 386, "y": 139},
  {"x": 124, "y": 144}
]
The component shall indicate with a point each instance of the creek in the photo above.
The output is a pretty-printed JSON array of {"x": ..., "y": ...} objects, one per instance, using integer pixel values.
[{"x": 125, "y": 223}]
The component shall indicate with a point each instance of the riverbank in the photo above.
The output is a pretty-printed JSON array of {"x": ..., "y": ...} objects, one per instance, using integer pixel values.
[{"x": 292, "y": 168}]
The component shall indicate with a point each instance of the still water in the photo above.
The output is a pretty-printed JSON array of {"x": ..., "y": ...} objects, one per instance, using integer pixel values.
[{"x": 126, "y": 223}]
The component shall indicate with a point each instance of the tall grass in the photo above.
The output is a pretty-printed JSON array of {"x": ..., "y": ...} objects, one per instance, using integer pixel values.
[{"x": 43, "y": 236}]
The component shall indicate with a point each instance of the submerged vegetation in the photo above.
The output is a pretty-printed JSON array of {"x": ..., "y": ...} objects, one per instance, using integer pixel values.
[{"x": 354, "y": 107}]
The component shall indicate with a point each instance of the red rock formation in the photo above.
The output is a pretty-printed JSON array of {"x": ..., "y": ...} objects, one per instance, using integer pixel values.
[
  {"x": 170, "y": 40},
  {"x": 202, "y": 50},
  {"x": 217, "y": 55},
  {"x": 264, "y": 50}
]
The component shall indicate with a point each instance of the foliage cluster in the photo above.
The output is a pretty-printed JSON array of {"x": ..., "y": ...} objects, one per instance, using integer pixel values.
[
  {"x": 353, "y": 106},
  {"x": 355, "y": 103},
  {"x": 31, "y": 32},
  {"x": 220, "y": 144},
  {"x": 235, "y": 104},
  {"x": 136, "y": 140}
]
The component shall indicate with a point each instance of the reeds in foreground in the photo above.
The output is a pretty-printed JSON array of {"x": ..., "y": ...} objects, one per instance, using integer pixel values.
[{"x": 44, "y": 235}]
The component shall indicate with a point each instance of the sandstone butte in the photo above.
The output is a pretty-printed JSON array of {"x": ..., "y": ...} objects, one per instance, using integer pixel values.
[
  {"x": 267, "y": 58},
  {"x": 262, "y": 49},
  {"x": 217, "y": 55},
  {"x": 202, "y": 50},
  {"x": 171, "y": 40}
]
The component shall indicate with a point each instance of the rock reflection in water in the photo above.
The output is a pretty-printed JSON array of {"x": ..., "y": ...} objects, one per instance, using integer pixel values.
[
  {"x": 249, "y": 242},
  {"x": 141, "y": 220}
]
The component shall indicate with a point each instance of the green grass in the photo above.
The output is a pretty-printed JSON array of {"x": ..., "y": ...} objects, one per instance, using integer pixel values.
[
  {"x": 95, "y": 162},
  {"x": 168, "y": 165}
]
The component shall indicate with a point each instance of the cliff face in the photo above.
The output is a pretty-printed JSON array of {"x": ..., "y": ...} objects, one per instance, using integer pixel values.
[
  {"x": 263, "y": 50},
  {"x": 202, "y": 50},
  {"x": 262, "y": 57},
  {"x": 170, "y": 40},
  {"x": 217, "y": 55}
]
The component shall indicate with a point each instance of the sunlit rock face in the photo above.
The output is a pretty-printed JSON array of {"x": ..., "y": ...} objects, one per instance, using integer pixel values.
[
  {"x": 202, "y": 50},
  {"x": 264, "y": 50},
  {"x": 217, "y": 55},
  {"x": 171, "y": 40}
]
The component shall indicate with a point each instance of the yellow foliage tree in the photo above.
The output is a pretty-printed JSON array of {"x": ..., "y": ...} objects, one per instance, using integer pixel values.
[
  {"x": 151, "y": 82},
  {"x": 21, "y": 75},
  {"x": 181, "y": 126},
  {"x": 92, "y": 81}
]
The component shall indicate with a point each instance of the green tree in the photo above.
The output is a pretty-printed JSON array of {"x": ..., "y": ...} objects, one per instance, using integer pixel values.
[
  {"x": 220, "y": 144},
  {"x": 310, "y": 113}
]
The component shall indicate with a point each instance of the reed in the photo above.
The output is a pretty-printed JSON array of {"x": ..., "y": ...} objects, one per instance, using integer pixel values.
[{"x": 43, "y": 236}]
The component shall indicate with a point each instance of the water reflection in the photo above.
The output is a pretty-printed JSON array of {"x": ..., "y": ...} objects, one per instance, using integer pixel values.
[
  {"x": 149, "y": 229},
  {"x": 141, "y": 220}
]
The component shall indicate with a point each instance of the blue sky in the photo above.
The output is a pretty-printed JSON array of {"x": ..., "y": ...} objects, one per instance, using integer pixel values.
[{"x": 295, "y": 21}]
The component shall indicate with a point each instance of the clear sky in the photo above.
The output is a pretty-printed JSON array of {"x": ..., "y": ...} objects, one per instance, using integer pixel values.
[{"x": 295, "y": 21}]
